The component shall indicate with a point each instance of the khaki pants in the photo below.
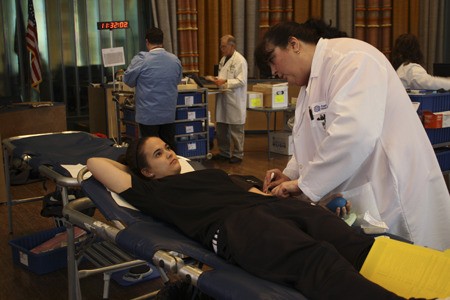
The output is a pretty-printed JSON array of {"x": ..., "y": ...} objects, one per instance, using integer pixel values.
[{"x": 230, "y": 138}]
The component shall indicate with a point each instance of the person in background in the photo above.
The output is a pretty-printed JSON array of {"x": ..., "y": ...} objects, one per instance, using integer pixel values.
[
  {"x": 356, "y": 133},
  {"x": 231, "y": 104},
  {"x": 407, "y": 60},
  {"x": 156, "y": 74}
]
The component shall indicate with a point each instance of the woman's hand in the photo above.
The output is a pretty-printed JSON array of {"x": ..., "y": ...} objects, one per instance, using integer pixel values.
[
  {"x": 273, "y": 178},
  {"x": 287, "y": 189}
]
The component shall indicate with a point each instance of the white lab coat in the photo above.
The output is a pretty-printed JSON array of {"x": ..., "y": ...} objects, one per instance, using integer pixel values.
[
  {"x": 356, "y": 132},
  {"x": 231, "y": 105},
  {"x": 414, "y": 76}
]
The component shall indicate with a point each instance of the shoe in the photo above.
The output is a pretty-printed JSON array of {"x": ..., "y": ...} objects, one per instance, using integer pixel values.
[
  {"x": 235, "y": 160},
  {"x": 218, "y": 157}
]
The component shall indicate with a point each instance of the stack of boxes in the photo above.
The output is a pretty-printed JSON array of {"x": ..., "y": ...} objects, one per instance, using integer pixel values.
[{"x": 273, "y": 95}]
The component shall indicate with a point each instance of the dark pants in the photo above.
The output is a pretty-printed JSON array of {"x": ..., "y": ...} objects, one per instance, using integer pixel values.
[
  {"x": 300, "y": 245},
  {"x": 165, "y": 131}
]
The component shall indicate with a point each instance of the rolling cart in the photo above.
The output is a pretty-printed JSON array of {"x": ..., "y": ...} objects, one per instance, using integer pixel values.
[
  {"x": 192, "y": 124},
  {"x": 192, "y": 132}
]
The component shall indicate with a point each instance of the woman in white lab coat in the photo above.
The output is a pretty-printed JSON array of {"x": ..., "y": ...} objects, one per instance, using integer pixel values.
[
  {"x": 407, "y": 59},
  {"x": 356, "y": 133},
  {"x": 231, "y": 103}
]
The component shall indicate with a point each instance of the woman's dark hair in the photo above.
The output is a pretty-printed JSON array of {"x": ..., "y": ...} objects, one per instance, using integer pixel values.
[
  {"x": 309, "y": 32},
  {"x": 406, "y": 50},
  {"x": 135, "y": 157}
]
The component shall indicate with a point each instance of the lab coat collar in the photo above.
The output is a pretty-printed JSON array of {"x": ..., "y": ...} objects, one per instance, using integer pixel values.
[
  {"x": 319, "y": 54},
  {"x": 317, "y": 60}
]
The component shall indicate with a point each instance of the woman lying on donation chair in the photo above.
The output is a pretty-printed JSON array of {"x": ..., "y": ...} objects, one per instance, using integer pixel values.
[{"x": 304, "y": 246}]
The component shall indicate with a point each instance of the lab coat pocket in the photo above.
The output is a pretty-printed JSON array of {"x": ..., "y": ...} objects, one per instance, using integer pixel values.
[
  {"x": 318, "y": 130},
  {"x": 363, "y": 200}
]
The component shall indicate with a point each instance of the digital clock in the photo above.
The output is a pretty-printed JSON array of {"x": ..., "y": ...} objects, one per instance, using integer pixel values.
[{"x": 111, "y": 25}]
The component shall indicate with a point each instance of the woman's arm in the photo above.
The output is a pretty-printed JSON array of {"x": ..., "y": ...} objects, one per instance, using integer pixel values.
[{"x": 112, "y": 174}]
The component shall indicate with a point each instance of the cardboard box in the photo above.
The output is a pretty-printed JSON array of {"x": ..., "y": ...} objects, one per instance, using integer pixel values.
[
  {"x": 275, "y": 95},
  {"x": 436, "y": 120},
  {"x": 281, "y": 142},
  {"x": 187, "y": 86},
  {"x": 254, "y": 99}
]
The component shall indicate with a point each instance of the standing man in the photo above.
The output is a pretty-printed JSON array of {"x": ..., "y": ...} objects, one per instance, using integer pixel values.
[
  {"x": 155, "y": 74},
  {"x": 231, "y": 104}
]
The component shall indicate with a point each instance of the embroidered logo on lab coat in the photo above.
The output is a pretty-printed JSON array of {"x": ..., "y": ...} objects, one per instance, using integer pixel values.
[{"x": 320, "y": 107}]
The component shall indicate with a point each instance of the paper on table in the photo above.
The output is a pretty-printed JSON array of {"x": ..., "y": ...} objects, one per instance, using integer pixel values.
[
  {"x": 408, "y": 270},
  {"x": 74, "y": 169}
]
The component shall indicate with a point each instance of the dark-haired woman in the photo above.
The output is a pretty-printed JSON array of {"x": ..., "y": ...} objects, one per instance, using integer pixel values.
[
  {"x": 294, "y": 248},
  {"x": 287, "y": 241},
  {"x": 407, "y": 59},
  {"x": 356, "y": 133}
]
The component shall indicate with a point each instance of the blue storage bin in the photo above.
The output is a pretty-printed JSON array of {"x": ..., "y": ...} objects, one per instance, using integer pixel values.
[
  {"x": 191, "y": 148},
  {"x": 431, "y": 101},
  {"x": 443, "y": 157},
  {"x": 41, "y": 263},
  {"x": 189, "y": 99},
  {"x": 191, "y": 113},
  {"x": 438, "y": 135},
  {"x": 188, "y": 127}
]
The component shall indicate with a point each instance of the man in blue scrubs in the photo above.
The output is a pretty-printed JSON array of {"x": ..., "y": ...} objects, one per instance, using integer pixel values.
[{"x": 155, "y": 74}]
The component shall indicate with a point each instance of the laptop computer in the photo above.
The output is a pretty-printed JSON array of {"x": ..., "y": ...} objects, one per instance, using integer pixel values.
[{"x": 202, "y": 81}]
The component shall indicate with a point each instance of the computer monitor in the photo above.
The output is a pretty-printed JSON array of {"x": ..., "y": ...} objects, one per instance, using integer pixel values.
[{"x": 441, "y": 69}]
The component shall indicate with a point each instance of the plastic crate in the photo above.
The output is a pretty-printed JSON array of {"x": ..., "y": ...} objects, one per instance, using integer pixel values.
[
  {"x": 191, "y": 148},
  {"x": 438, "y": 135},
  {"x": 41, "y": 263},
  {"x": 188, "y": 127},
  {"x": 443, "y": 157},
  {"x": 431, "y": 101},
  {"x": 189, "y": 99},
  {"x": 190, "y": 113}
]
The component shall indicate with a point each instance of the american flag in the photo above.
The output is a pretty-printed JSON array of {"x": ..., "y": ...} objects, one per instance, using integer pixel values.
[{"x": 32, "y": 46}]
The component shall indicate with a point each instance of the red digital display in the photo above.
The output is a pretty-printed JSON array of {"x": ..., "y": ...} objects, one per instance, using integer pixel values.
[{"x": 111, "y": 25}]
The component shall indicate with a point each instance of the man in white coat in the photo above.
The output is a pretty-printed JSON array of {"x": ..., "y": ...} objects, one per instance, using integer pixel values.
[
  {"x": 356, "y": 133},
  {"x": 231, "y": 103}
]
